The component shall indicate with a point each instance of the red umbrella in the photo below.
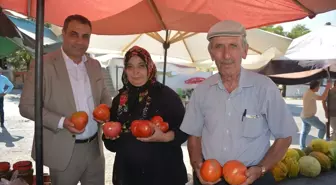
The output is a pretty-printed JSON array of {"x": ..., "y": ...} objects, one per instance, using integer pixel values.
[
  {"x": 140, "y": 16},
  {"x": 194, "y": 80}
]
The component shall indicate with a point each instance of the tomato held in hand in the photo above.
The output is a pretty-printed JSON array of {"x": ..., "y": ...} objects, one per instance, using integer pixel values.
[
  {"x": 164, "y": 126},
  {"x": 142, "y": 128},
  {"x": 234, "y": 172},
  {"x": 101, "y": 112},
  {"x": 156, "y": 119},
  {"x": 211, "y": 170},
  {"x": 112, "y": 129},
  {"x": 79, "y": 119}
]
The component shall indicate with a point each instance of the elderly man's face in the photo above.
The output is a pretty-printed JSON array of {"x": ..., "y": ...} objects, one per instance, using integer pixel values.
[{"x": 228, "y": 53}]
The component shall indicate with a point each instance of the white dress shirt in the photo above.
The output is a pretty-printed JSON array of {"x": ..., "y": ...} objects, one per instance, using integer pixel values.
[{"x": 82, "y": 93}]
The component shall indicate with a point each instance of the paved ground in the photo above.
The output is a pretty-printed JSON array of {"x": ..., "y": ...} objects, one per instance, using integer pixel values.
[{"x": 16, "y": 138}]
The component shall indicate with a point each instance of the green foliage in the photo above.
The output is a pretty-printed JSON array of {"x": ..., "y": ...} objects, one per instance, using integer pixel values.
[
  {"x": 20, "y": 60},
  {"x": 296, "y": 31}
]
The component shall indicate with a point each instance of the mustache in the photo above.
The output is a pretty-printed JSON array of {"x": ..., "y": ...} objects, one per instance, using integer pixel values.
[
  {"x": 228, "y": 61},
  {"x": 78, "y": 46}
]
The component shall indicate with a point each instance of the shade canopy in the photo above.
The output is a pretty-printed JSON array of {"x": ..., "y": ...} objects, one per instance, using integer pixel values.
[{"x": 141, "y": 16}]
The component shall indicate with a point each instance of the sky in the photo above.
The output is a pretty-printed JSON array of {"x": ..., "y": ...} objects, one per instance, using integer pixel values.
[{"x": 313, "y": 24}]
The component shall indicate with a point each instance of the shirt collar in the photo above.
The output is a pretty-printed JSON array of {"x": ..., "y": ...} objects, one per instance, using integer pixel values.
[{"x": 244, "y": 80}]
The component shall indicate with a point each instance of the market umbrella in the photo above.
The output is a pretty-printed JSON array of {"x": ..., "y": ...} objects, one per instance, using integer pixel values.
[
  {"x": 192, "y": 47},
  {"x": 189, "y": 47},
  {"x": 139, "y": 16},
  {"x": 312, "y": 51},
  {"x": 17, "y": 33},
  {"x": 7, "y": 47},
  {"x": 158, "y": 15},
  {"x": 11, "y": 39}
]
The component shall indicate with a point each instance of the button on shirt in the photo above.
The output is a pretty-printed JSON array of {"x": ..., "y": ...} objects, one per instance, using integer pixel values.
[
  {"x": 218, "y": 117},
  {"x": 5, "y": 85},
  {"x": 82, "y": 93}
]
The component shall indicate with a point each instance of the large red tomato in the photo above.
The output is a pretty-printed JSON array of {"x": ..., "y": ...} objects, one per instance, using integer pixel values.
[
  {"x": 142, "y": 128},
  {"x": 4, "y": 167},
  {"x": 234, "y": 172},
  {"x": 156, "y": 119},
  {"x": 23, "y": 165},
  {"x": 112, "y": 129},
  {"x": 104, "y": 106},
  {"x": 101, "y": 112},
  {"x": 79, "y": 119},
  {"x": 211, "y": 170}
]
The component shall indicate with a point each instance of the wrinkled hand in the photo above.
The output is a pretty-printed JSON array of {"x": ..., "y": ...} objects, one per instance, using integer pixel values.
[
  {"x": 71, "y": 127},
  {"x": 252, "y": 174},
  {"x": 197, "y": 170},
  {"x": 158, "y": 136}
]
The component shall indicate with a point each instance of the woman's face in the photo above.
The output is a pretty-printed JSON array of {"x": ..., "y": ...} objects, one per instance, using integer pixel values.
[{"x": 136, "y": 71}]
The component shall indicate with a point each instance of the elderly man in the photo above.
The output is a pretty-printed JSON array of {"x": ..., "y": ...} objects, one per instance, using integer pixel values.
[{"x": 232, "y": 114}]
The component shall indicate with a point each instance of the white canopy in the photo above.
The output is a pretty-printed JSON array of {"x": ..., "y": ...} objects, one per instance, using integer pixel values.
[
  {"x": 189, "y": 46},
  {"x": 319, "y": 44}
]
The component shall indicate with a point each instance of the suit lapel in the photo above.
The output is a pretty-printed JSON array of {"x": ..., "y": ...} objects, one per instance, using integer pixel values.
[
  {"x": 63, "y": 75},
  {"x": 91, "y": 73}
]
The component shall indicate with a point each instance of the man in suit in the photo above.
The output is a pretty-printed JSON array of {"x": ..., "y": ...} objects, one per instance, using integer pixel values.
[{"x": 72, "y": 82}]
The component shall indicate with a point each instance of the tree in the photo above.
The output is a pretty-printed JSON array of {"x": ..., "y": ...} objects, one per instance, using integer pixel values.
[
  {"x": 20, "y": 60},
  {"x": 297, "y": 31},
  {"x": 277, "y": 30}
]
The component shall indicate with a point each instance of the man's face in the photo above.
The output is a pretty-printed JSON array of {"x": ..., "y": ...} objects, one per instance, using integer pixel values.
[
  {"x": 228, "y": 52},
  {"x": 76, "y": 39}
]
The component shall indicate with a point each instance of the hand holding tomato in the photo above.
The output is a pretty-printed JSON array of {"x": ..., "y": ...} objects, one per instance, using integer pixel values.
[
  {"x": 101, "y": 113},
  {"x": 158, "y": 136},
  {"x": 158, "y": 121},
  {"x": 112, "y": 130},
  {"x": 252, "y": 174},
  {"x": 199, "y": 176},
  {"x": 71, "y": 127},
  {"x": 234, "y": 173}
]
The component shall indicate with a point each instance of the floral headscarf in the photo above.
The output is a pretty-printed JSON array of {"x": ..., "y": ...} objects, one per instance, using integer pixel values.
[
  {"x": 145, "y": 56},
  {"x": 131, "y": 96}
]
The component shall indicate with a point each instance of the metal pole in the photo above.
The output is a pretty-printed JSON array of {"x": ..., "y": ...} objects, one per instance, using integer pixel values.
[
  {"x": 117, "y": 78},
  {"x": 38, "y": 91},
  {"x": 328, "y": 108},
  {"x": 166, "y": 45}
]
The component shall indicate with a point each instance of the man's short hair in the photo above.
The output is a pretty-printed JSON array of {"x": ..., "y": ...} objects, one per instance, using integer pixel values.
[
  {"x": 314, "y": 84},
  {"x": 78, "y": 18}
]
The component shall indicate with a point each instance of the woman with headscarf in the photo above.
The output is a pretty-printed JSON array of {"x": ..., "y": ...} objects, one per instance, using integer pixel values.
[{"x": 157, "y": 160}]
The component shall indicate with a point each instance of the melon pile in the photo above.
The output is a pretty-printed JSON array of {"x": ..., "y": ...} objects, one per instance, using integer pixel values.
[{"x": 318, "y": 157}]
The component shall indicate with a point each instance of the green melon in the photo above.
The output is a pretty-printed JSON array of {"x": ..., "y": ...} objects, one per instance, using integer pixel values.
[{"x": 309, "y": 166}]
